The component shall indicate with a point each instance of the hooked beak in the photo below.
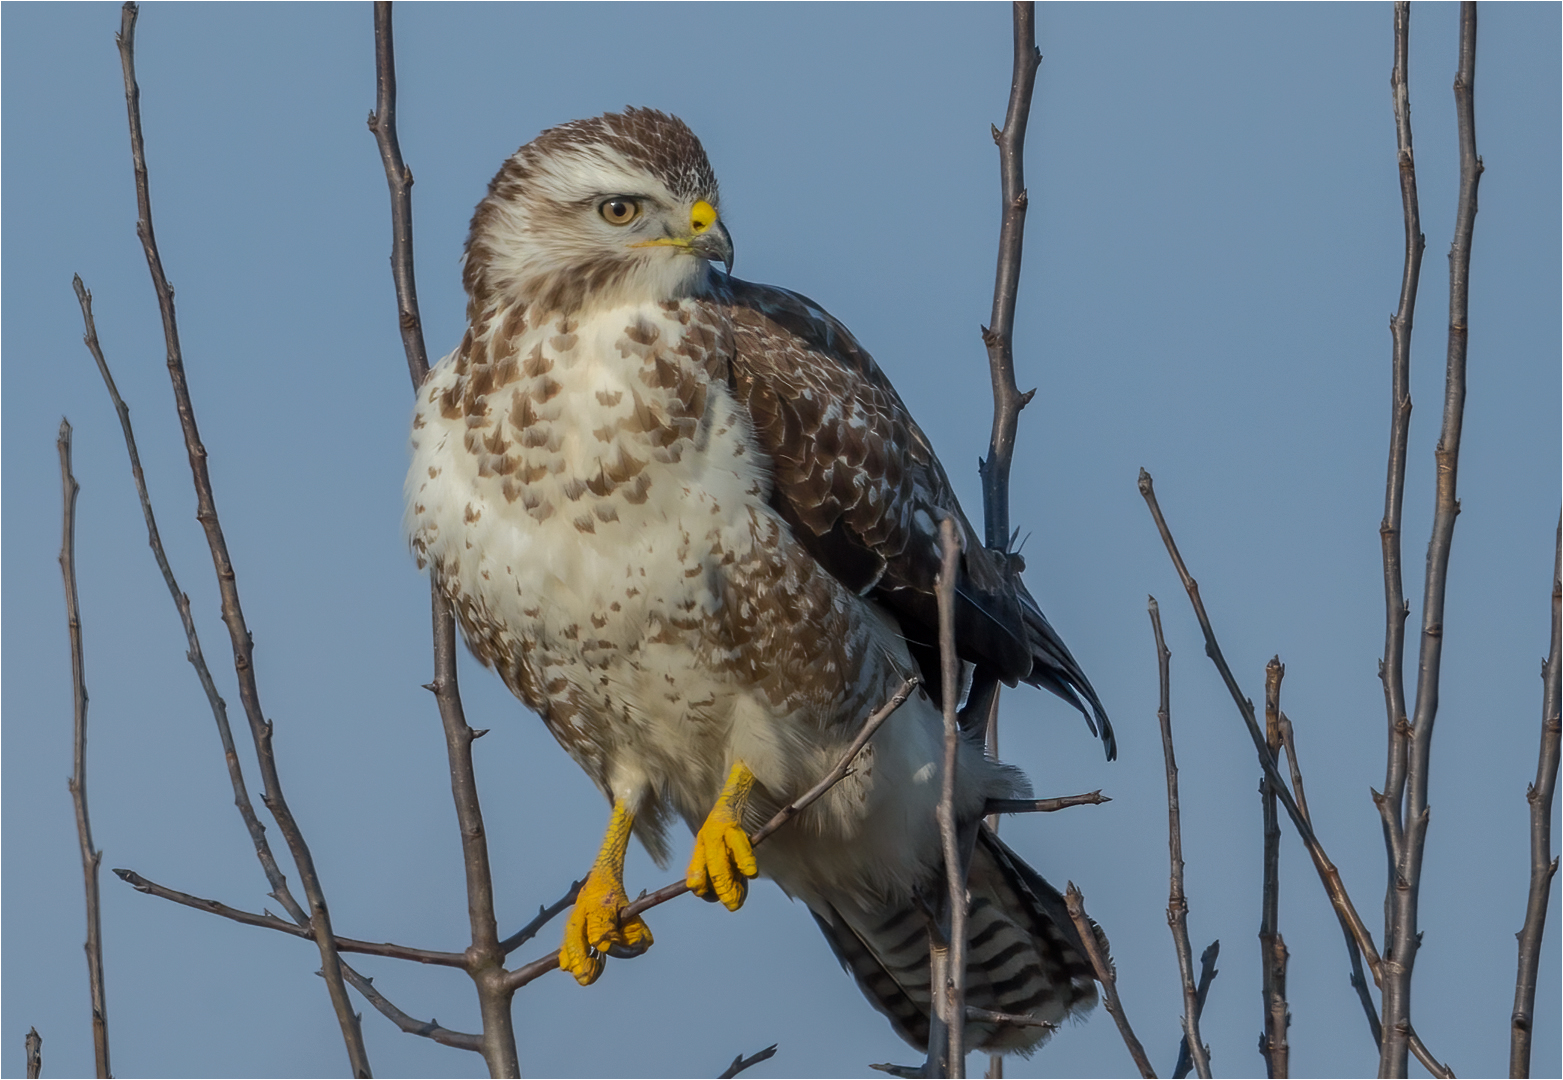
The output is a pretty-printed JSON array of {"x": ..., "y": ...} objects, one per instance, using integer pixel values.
[
  {"x": 715, "y": 244},
  {"x": 708, "y": 238}
]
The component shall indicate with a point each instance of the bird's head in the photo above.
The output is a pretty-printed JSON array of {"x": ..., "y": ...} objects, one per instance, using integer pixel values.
[{"x": 617, "y": 209}]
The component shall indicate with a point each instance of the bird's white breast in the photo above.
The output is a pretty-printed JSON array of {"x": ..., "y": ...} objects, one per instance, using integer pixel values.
[
  {"x": 577, "y": 486},
  {"x": 592, "y": 499}
]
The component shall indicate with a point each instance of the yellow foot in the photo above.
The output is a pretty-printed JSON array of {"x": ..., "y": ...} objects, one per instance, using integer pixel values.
[
  {"x": 723, "y": 858},
  {"x": 594, "y": 929}
]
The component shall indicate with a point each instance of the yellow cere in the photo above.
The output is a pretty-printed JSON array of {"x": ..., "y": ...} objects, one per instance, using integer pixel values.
[{"x": 701, "y": 217}]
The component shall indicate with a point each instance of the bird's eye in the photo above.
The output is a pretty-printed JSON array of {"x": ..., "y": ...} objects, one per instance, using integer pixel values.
[{"x": 619, "y": 211}]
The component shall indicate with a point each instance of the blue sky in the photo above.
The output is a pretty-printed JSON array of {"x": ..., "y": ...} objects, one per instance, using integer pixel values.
[{"x": 1213, "y": 251}]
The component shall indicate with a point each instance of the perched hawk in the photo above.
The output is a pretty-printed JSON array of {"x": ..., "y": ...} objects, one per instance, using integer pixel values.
[{"x": 689, "y": 522}]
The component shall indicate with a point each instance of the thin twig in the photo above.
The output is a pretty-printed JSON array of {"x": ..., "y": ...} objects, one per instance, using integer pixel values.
[
  {"x": 953, "y": 997},
  {"x": 34, "y": 1045},
  {"x": 1177, "y": 903},
  {"x": 1207, "y": 975},
  {"x": 998, "y": 335},
  {"x": 1075, "y": 902},
  {"x": 740, "y": 1063},
  {"x": 90, "y": 856},
  {"x": 428, "y": 1029},
  {"x": 988, "y": 1016},
  {"x": 273, "y": 922},
  {"x": 1543, "y": 866},
  {"x": 486, "y": 957},
  {"x": 544, "y": 916},
  {"x": 241, "y": 794},
  {"x": 1272, "y": 950},
  {"x": 398, "y": 178},
  {"x": 1288, "y": 744},
  {"x": 1400, "y": 948},
  {"x": 521, "y": 976},
  {"x": 843, "y": 766},
  {"x": 1359, "y": 982},
  {"x": 1392, "y": 666},
  {"x": 1328, "y": 874},
  {"x": 1351, "y": 923},
  {"x": 233, "y": 613},
  {"x": 1044, "y": 806}
]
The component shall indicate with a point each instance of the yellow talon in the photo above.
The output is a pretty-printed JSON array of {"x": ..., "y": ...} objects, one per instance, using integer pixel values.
[
  {"x": 594, "y": 928},
  {"x": 723, "y": 858}
]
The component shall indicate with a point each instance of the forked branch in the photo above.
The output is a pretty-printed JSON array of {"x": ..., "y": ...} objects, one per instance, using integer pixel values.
[
  {"x": 1402, "y": 898},
  {"x": 233, "y": 612},
  {"x": 1356, "y": 933},
  {"x": 241, "y": 794},
  {"x": 740, "y": 1063},
  {"x": 487, "y": 954},
  {"x": 1328, "y": 875},
  {"x": 1392, "y": 667}
]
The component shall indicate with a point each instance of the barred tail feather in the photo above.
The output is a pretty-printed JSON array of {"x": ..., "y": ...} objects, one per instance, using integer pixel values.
[{"x": 1023, "y": 954}]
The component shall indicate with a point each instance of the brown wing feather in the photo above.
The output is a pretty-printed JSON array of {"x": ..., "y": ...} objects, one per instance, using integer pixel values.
[{"x": 860, "y": 485}]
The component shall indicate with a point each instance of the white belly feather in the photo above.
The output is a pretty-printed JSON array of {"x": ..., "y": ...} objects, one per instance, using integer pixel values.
[{"x": 593, "y": 500}]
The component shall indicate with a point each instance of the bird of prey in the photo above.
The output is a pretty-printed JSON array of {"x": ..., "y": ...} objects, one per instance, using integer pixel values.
[{"x": 689, "y": 522}]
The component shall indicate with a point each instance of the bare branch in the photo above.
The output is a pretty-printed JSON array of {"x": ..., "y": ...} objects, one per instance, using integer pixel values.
[
  {"x": 1392, "y": 667},
  {"x": 1543, "y": 866},
  {"x": 518, "y": 978},
  {"x": 953, "y": 997},
  {"x": 1207, "y": 975},
  {"x": 1404, "y": 893},
  {"x": 272, "y": 922},
  {"x": 34, "y": 1045},
  {"x": 1044, "y": 806},
  {"x": 486, "y": 955},
  {"x": 1272, "y": 950},
  {"x": 988, "y": 1016},
  {"x": 241, "y": 795},
  {"x": 544, "y": 916},
  {"x": 1359, "y": 982},
  {"x": 998, "y": 335},
  {"x": 398, "y": 177},
  {"x": 740, "y": 1063},
  {"x": 837, "y": 774},
  {"x": 1289, "y": 745},
  {"x": 1328, "y": 874},
  {"x": 1075, "y": 901},
  {"x": 428, "y": 1029},
  {"x": 90, "y": 856},
  {"x": 1177, "y": 903},
  {"x": 233, "y": 613}
]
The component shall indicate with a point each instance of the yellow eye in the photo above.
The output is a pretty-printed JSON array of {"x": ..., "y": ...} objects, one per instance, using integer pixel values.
[{"x": 619, "y": 211}]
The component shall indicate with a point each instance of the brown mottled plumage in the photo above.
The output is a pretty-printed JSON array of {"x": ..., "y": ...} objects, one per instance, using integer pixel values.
[{"x": 690, "y": 523}]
